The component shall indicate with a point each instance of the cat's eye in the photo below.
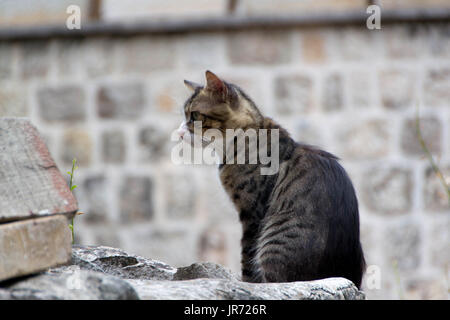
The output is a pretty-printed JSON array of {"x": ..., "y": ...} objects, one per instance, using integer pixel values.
[{"x": 195, "y": 116}]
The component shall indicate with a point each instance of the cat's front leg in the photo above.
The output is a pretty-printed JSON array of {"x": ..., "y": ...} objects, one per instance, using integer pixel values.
[{"x": 250, "y": 269}]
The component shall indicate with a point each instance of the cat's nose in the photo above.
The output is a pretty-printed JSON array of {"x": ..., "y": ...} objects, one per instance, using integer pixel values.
[{"x": 182, "y": 130}]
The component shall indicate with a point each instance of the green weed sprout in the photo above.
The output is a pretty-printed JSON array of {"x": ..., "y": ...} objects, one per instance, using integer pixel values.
[{"x": 72, "y": 187}]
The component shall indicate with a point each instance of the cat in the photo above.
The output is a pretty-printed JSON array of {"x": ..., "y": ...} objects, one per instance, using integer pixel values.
[{"x": 300, "y": 223}]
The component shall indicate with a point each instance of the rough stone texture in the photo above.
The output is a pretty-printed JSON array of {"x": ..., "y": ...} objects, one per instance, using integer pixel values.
[
  {"x": 153, "y": 142},
  {"x": 352, "y": 43},
  {"x": 68, "y": 57},
  {"x": 440, "y": 244},
  {"x": 387, "y": 190},
  {"x": 404, "y": 42},
  {"x": 437, "y": 87},
  {"x": 13, "y": 100},
  {"x": 93, "y": 199},
  {"x": 402, "y": 243},
  {"x": 255, "y": 48},
  {"x": 69, "y": 283},
  {"x": 113, "y": 146},
  {"x": 35, "y": 59},
  {"x": 31, "y": 184},
  {"x": 366, "y": 140},
  {"x": 118, "y": 263},
  {"x": 204, "y": 270},
  {"x": 434, "y": 192},
  {"x": 33, "y": 245},
  {"x": 332, "y": 98},
  {"x": 121, "y": 101},
  {"x": 397, "y": 89},
  {"x": 76, "y": 143},
  {"x": 439, "y": 44},
  {"x": 144, "y": 54},
  {"x": 202, "y": 50},
  {"x": 313, "y": 47},
  {"x": 136, "y": 199},
  {"x": 180, "y": 189},
  {"x": 98, "y": 56},
  {"x": 66, "y": 103},
  {"x": 218, "y": 289},
  {"x": 108, "y": 273},
  {"x": 430, "y": 129},
  {"x": 294, "y": 94},
  {"x": 360, "y": 89},
  {"x": 6, "y": 58}
]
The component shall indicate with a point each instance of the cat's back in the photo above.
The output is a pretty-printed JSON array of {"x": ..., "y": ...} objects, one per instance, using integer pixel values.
[{"x": 314, "y": 181}]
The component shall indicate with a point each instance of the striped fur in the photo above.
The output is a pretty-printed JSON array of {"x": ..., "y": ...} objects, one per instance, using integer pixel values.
[{"x": 301, "y": 223}]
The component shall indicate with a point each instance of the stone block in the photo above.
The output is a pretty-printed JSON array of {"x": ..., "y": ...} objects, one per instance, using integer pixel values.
[
  {"x": 6, "y": 61},
  {"x": 99, "y": 56},
  {"x": 439, "y": 246},
  {"x": 259, "y": 48},
  {"x": 113, "y": 146},
  {"x": 144, "y": 54},
  {"x": 93, "y": 198},
  {"x": 360, "y": 89},
  {"x": 388, "y": 191},
  {"x": 69, "y": 57},
  {"x": 154, "y": 142},
  {"x": 435, "y": 195},
  {"x": 180, "y": 192},
  {"x": 202, "y": 50},
  {"x": 136, "y": 199},
  {"x": 364, "y": 140},
  {"x": 30, "y": 183},
  {"x": 121, "y": 101},
  {"x": 431, "y": 131},
  {"x": 13, "y": 100},
  {"x": 332, "y": 92},
  {"x": 65, "y": 103},
  {"x": 397, "y": 89},
  {"x": 34, "y": 245},
  {"x": 313, "y": 47},
  {"x": 35, "y": 59},
  {"x": 437, "y": 88},
  {"x": 76, "y": 143},
  {"x": 294, "y": 94},
  {"x": 406, "y": 41},
  {"x": 439, "y": 41},
  {"x": 402, "y": 246},
  {"x": 352, "y": 43}
]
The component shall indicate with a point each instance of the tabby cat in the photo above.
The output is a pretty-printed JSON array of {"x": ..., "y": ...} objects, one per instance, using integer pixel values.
[{"x": 302, "y": 222}]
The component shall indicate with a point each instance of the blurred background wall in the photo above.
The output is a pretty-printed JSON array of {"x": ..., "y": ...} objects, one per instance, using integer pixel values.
[{"x": 111, "y": 94}]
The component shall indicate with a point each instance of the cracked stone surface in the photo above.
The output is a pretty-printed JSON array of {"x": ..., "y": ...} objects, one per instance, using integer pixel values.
[{"x": 99, "y": 272}]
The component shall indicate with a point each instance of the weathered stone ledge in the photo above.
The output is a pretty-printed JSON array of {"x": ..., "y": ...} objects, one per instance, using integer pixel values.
[{"x": 109, "y": 273}]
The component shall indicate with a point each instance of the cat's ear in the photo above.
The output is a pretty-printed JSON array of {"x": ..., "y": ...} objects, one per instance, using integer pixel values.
[
  {"x": 215, "y": 84},
  {"x": 192, "y": 85}
]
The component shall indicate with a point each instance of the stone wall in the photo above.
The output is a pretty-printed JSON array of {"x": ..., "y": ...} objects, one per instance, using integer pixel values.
[{"x": 112, "y": 102}]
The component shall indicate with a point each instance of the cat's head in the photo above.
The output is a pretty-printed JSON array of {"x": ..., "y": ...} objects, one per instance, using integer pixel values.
[{"x": 218, "y": 105}]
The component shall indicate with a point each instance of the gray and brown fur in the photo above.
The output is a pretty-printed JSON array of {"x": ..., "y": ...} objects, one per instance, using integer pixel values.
[{"x": 301, "y": 223}]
